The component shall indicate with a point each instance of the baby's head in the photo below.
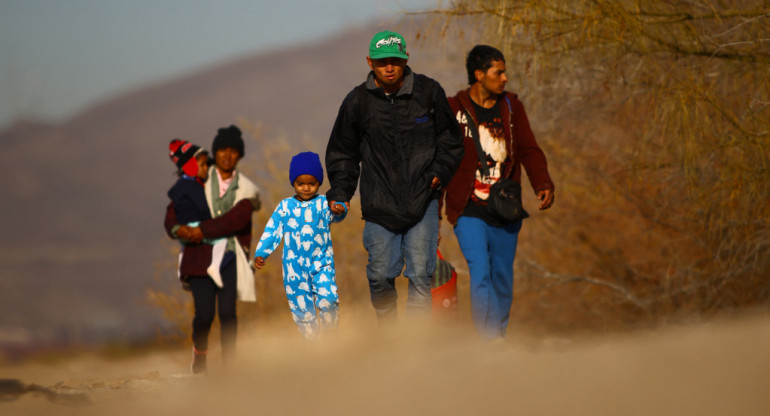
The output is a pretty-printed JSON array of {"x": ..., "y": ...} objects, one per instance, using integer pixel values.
[
  {"x": 190, "y": 159},
  {"x": 306, "y": 175}
]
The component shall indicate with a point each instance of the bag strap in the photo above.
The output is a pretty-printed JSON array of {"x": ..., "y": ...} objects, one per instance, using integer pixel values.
[
  {"x": 510, "y": 125},
  {"x": 479, "y": 151}
]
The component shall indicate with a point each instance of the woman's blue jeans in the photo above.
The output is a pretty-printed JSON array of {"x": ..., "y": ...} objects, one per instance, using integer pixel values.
[
  {"x": 489, "y": 252},
  {"x": 389, "y": 252}
]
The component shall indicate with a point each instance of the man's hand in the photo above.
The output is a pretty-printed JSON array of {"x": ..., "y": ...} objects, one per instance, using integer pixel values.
[
  {"x": 259, "y": 262},
  {"x": 337, "y": 209},
  {"x": 435, "y": 183},
  {"x": 546, "y": 198}
]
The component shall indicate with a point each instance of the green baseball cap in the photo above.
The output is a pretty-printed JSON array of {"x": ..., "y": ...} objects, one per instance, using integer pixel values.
[{"x": 388, "y": 44}]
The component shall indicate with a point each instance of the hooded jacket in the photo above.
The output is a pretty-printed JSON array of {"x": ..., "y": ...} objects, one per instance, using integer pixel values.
[
  {"x": 396, "y": 145},
  {"x": 520, "y": 145}
]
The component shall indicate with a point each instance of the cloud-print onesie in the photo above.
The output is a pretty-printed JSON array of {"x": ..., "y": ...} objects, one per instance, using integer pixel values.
[{"x": 308, "y": 260}]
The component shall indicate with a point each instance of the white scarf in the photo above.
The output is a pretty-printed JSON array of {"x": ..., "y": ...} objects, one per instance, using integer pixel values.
[{"x": 245, "y": 274}]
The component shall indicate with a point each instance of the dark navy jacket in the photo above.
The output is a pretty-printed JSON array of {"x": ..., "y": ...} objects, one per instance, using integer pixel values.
[{"x": 396, "y": 145}]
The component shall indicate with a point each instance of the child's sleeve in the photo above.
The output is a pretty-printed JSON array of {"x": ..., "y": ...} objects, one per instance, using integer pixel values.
[
  {"x": 272, "y": 235},
  {"x": 332, "y": 217}
]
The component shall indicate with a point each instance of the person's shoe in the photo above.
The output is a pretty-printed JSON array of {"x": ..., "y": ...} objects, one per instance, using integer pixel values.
[{"x": 199, "y": 361}]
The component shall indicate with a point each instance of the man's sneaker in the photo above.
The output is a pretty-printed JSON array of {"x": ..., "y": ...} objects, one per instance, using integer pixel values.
[{"x": 199, "y": 361}]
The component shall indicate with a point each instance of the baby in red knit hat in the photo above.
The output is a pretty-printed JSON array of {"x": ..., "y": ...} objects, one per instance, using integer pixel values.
[{"x": 189, "y": 197}]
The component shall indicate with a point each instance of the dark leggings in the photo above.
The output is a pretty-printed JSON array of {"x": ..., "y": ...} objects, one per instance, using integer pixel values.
[{"x": 210, "y": 299}]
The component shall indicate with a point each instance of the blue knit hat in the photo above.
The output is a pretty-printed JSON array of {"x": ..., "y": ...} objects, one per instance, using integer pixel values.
[{"x": 306, "y": 163}]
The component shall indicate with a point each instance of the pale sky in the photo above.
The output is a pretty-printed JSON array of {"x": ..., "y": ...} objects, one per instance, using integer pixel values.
[{"x": 58, "y": 57}]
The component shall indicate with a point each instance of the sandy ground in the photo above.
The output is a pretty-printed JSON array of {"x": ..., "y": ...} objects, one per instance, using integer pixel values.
[{"x": 720, "y": 368}]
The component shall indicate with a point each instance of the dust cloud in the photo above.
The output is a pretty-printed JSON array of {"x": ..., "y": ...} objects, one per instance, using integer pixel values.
[{"x": 712, "y": 368}]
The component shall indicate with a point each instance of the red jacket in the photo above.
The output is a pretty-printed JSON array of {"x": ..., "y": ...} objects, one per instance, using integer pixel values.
[
  {"x": 523, "y": 148},
  {"x": 196, "y": 258}
]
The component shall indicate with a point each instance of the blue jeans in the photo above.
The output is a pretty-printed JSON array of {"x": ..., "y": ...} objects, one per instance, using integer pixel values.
[
  {"x": 389, "y": 252},
  {"x": 489, "y": 252}
]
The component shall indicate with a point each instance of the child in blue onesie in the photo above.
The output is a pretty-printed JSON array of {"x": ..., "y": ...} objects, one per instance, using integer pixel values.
[{"x": 302, "y": 221}]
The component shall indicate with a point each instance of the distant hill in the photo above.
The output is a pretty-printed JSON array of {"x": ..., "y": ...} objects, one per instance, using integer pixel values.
[{"x": 83, "y": 201}]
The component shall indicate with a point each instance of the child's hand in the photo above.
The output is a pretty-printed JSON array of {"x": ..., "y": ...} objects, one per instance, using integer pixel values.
[
  {"x": 338, "y": 208},
  {"x": 259, "y": 262}
]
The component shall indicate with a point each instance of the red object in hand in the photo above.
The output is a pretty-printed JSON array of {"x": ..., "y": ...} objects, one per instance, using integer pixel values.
[{"x": 444, "y": 288}]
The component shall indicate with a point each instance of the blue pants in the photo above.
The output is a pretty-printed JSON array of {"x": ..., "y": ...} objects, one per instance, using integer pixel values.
[
  {"x": 388, "y": 254},
  {"x": 489, "y": 252},
  {"x": 311, "y": 295}
]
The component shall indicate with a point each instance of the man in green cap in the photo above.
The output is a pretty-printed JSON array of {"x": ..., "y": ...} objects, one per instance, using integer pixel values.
[{"x": 397, "y": 134}]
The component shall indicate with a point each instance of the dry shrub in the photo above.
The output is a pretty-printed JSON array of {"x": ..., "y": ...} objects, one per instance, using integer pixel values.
[
  {"x": 175, "y": 305},
  {"x": 655, "y": 117}
]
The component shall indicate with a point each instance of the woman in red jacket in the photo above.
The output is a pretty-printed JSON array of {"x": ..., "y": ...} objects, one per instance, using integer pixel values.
[{"x": 231, "y": 198}]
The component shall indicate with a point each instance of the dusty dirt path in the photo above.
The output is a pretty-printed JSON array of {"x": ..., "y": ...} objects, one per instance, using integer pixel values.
[{"x": 709, "y": 369}]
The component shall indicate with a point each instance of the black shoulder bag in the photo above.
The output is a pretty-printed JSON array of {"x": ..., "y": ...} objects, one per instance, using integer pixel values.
[{"x": 504, "y": 202}]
